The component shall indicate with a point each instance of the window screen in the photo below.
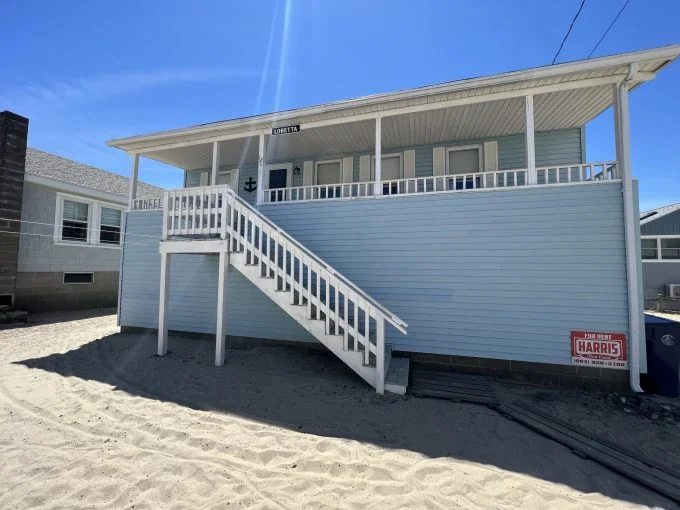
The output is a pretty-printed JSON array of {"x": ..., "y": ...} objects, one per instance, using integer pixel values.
[
  {"x": 390, "y": 170},
  {"x": 649, "y": 249},
  {"x": 74, "y": 223},
  {"x": 463, "y": 161},
  {"x": 78, "y": 278},
  {"x": 670, "y": 248},
  {"x": 109, "y": 230},
  {"x": 328, "y": 173}
]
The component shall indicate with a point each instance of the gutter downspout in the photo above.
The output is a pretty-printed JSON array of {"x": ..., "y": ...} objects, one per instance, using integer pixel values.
[{"x": 632, "y": 248}]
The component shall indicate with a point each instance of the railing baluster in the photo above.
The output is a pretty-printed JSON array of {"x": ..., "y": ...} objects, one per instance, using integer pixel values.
[
  {"x": 327, "y": 305},
  {"x": 345, "y": 327},
  {"x": 309, "y": 289},
  {"x": 367, "y": 334}
]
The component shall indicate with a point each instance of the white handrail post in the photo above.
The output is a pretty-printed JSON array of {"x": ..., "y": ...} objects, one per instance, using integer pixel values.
[
  {"x": 530, "y": 139},
  {"x": 380, "y": 355},
  {"x": 215, "y": 163},
  {"x": 260, "y": 170},
  {"x": 167, "y": 215},
  {"x": 220, "y": 332},
  {"x": 133, "y": 181},
  {"x": 163, "y": 304},
  {"x": 378, "y": 156}
]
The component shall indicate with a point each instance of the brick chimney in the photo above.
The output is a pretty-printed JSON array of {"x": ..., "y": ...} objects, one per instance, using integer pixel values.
[{"x": 13, "y": 139}]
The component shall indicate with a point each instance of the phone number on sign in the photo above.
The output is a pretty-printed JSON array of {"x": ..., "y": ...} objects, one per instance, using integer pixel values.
[{"x": 600, "y": 363}]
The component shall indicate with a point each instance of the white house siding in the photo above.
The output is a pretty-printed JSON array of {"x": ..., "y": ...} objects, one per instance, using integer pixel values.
[
  {"x": 494, "y": 274},
  {"x": 552, "y": 148}
]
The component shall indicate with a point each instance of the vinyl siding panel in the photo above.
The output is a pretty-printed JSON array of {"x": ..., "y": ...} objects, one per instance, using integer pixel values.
[
  {"x": 193, "y": 290},
  {"x": 493, "y": 274},
  {"x": 668, "y": 225}
]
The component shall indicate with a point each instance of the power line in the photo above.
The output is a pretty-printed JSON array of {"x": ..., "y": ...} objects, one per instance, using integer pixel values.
[
  {"x": 608, "y": 29},
  {"x": 569, "y": 31}
]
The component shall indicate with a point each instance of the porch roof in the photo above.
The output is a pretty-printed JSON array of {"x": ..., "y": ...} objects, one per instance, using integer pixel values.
[{"x": 566, "y": 95}]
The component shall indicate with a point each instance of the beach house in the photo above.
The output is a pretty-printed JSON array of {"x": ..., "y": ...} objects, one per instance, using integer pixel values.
[{"x": 459, "y": 223}]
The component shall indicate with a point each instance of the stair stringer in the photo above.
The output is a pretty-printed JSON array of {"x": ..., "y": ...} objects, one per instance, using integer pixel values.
[{"x": 334, "y": 343}]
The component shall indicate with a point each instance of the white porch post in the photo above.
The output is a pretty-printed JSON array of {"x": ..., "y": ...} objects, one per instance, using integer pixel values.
[
  {"x": 215, "y": 163},
  {"x": 532, "y": 176},
  {"x": 260, "y": 170},
  {"x": 622, "y": 122},
  {"x": 380, "y": 355},
  {"x": 163, "y": 304},
  {"x": 221, "y": 331},
  {"x": 378, "y": 157},
  {"x": 133, "y": 181}
]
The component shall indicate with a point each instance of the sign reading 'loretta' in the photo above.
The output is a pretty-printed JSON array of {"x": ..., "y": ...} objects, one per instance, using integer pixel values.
[
  {"x": 283, "y": 130},
  {"x": 597, "y": 349}
]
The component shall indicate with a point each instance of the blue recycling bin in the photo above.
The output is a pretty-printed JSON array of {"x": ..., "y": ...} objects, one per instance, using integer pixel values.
[{"x": 663, "y": 356}]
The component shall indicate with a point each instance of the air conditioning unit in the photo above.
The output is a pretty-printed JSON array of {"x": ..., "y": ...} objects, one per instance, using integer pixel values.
[{"x": 673, "y": 290}]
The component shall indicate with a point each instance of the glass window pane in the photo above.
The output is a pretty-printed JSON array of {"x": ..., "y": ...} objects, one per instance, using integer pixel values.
[
  {"x": 649, "y": 249},
  {"x": 110, "y": 217},
  {"x": 390, "y": 169},
  {"x": 109, "y": 235},
  {"x": 328, "y": 173},
  {"x": 670, "y": 248},
  {"x": 464, "y": 161},
  {"x": 74, "y": 231},
  {"x": 75, "y": 210}
]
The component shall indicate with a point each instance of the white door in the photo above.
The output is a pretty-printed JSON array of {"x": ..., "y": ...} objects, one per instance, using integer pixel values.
[{"x": 229, "y": 177}]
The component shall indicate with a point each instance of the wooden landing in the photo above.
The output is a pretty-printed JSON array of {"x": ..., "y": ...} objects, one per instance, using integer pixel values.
[
  {"x": 396, "y": 380},
  {"x": 619, "y": 458},
  {"x": 427, "y": 381}
]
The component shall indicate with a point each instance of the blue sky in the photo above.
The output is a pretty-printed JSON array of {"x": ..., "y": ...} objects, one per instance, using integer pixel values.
[{"x": 85, "y": 72}]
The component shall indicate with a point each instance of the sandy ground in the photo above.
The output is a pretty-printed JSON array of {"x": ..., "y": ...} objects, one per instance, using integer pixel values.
[{"x": 90, "y": 418}]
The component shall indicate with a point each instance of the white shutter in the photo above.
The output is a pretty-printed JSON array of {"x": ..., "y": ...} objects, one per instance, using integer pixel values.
[
  {"x": 438, "y": 163},
  {"x": 409, "y": 164},
  {"x": 204, "y": 178},
  {"x": 490, "y": 156},
  {"x": 308, "y": 173},
  {"x": 365, "y": 168},
  {"x": 234, "y": 179},
  {"x": 347, "y": 169}
]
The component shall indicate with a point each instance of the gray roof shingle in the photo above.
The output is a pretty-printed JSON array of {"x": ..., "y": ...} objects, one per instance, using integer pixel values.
[{"x": 51, "y": 166}]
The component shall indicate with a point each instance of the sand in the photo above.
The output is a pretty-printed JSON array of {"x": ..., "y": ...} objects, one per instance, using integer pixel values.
[{"x": 91, "y": 418}]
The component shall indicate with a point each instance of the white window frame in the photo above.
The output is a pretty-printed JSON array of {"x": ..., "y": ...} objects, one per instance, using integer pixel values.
[
  {"x": 480, "y": 152},
  {"x": 276, "y": 166},
  {"x": 658, "y": 249},
  {"x": 326, "y": 162},
  {"x": 93, "y": 221},
  {"x": 383, "y": 157},
  {"x": 231, "y": 172}
]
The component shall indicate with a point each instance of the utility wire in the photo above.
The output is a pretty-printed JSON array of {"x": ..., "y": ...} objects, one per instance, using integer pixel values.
[
  {"x": 608, "y": 29},
  {"x": 569, "y": 31}
]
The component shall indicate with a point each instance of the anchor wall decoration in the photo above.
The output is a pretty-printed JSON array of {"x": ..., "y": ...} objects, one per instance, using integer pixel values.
[{"x": 250, "y": 185}]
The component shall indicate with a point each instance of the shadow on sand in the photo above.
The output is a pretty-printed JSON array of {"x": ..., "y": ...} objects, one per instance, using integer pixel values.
[{"x": 310, "y": 391}]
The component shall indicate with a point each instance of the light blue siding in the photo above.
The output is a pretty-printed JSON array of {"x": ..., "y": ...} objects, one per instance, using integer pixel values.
[
  {"x": 504, "y": 274},
  {"x": 495, "y": 274},
  {"x": 193, "y": 290}
]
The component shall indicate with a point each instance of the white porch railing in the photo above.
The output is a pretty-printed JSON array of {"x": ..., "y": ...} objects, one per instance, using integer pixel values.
[
  {"x": 445, "y": 183},
  {"x": 347, "y": 310}
]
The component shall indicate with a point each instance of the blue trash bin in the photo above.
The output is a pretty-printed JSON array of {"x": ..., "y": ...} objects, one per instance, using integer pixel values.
[{"x": 663, "y": 355}]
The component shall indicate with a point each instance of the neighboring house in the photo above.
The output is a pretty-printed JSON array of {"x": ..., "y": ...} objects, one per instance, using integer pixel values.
[
  {"x": 69, "y": 244},
  {"x": 459, "y": 223},
  {"x": 660, "y": 231}
]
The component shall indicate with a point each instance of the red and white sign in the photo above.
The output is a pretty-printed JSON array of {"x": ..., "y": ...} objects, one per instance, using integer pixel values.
[{"x": 596, "y": 349}]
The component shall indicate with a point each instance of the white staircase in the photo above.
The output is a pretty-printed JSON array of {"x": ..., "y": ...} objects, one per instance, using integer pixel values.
[{"x": 336, "y": 312}]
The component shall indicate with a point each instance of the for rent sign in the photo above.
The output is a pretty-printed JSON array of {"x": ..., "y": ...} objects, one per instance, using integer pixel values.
[{"x": 597, "y": 349}]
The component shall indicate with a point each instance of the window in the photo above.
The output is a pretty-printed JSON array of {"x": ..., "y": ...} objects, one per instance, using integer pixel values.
[
  {"x": 463, "y": 160},
  {"x": 75, "y": 278},
  {"x": 81, "y": 221},
  {"x": 109, "y": 226},
  {"x": 75, "y": 221},
  {"x": 649, "y": 250},
  {"x": 329, "y": 172},
  {"x": 670, "y": 248}
]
